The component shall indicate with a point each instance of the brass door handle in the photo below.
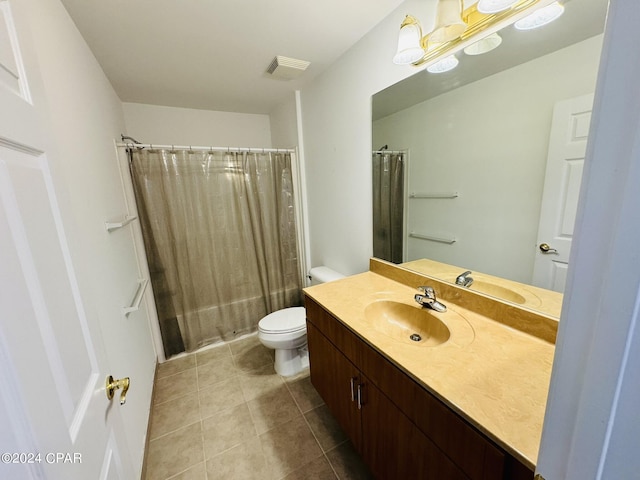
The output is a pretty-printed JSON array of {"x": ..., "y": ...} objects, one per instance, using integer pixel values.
[
  {"x": 545, "y": 248},
  {"x": 113, "y": 385}
]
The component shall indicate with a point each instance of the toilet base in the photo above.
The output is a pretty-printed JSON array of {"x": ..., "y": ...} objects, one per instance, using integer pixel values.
[{"x": 291, "y": 362}]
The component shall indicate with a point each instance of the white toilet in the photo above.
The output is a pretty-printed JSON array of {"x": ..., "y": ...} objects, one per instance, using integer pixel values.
[{"x": 286, "y": 330}]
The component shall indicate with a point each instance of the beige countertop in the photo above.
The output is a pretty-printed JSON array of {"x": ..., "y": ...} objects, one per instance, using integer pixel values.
[
  {"x": 493, "y": 375},
  {"x": 535, "y": 298}
]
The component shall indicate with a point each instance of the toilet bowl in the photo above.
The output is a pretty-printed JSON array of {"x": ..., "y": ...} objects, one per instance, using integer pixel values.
[{"x": 286, "y": 330}]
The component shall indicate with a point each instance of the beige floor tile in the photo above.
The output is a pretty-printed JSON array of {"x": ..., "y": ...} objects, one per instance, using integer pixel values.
[
  {"x": 212, "y": 354},
  {"x": 176, "y": 385},
  {"x": 305, "y": 394},
  {"x": 175, "y": 452},
  {"x": 227, "y": 429},
  {"x": 249, "y": 353},
  {"x": 289, "y": 447},
  {"x": 347, "y": 463},
  {"x": 325, "y": 428},
  {"x": 216, "y": 372},
  {"x": 221, "y": 396},
  {"x": 197, "y": 472},
  {"x": 319, "y": 469},
  {"x": 260, "y": 381},
  {"x": 239, "y": 346},
  {"x": 222, "y": 386},
  {"x": 272, "y": 409},
  {"x": 176, "y": 365},
  {"x": 242, "y": 462},
  {"x": 174, "y": 414}
]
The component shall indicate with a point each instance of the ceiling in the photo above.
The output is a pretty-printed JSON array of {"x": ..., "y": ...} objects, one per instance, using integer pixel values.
[{"x": 213, "y": 54}]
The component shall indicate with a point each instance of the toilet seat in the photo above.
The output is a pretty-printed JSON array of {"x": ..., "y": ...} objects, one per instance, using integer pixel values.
[{"x": 287, "y": 320}]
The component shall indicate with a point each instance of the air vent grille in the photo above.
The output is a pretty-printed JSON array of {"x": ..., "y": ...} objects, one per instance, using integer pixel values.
[{"x": 286, "y": 68}]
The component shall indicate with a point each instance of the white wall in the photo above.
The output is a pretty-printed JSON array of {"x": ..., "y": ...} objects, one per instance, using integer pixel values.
[
  {"x": 488, "y": 141},
  {"x": 336, "y": 120},
  {"x": 187, "y": 126},
  {"x": 83, "y": 118},
  {"x": 284, "y": 125}
]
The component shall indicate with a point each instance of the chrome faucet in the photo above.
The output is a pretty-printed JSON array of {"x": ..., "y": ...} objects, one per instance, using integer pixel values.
[
  {"x": 428, "y": 299},
  {"x": 464, "y": 279}
]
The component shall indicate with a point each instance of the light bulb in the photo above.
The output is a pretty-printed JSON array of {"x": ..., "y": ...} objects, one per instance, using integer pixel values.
[
  {"x": 409, "y": 49},
  {"x": 494, "y": 6},
  {"x": 540, "y": 17},
  {"x": 444, "y": 65},
  {"x": 484, "y": 45}
]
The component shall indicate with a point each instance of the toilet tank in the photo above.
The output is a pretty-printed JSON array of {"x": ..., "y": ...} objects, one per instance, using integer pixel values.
[{"x": 323, "y": 274}]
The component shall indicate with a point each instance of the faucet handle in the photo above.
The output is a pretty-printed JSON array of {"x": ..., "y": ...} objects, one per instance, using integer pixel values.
[
  {"x": 464, "y": 279},
  {"x": 429, "y": 299},
  {"x": 428, "y": 291}
]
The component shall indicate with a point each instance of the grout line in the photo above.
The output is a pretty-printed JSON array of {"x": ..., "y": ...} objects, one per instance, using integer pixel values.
[
  {"x": 204, "y": 455},
  {"x": 183, "y": 394},
  {"x": 324, "y": 454},
  {"x": 173, "y": 431},
  {"x": 180, "y": 473}
]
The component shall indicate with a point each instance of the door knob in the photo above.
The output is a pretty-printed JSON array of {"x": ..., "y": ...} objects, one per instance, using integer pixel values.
[
  {"x": 113, "y": 385},
  {"x": 545, "y": 248}
]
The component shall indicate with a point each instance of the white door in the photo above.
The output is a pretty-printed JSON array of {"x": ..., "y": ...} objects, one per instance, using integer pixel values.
[
  {"x": 567, "y": 148},
  {"x": 56, "y": 421}
]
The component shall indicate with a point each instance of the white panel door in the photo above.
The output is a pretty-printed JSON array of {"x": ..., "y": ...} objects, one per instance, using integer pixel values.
[
  {"x": 567, "y": 149},
  {"x": 59, "y": 422}
]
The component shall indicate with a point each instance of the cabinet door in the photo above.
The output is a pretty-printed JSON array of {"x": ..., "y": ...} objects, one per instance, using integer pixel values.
[
  {"x": 392, "y": 445},
  {"x": 336, "y": 380}
]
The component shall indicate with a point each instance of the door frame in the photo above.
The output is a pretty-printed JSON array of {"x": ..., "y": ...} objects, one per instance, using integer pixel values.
[{"x": 586, "y": 431}]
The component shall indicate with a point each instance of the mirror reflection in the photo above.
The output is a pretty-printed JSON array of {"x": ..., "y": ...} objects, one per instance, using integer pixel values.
[{"x": 480, "y": 167}]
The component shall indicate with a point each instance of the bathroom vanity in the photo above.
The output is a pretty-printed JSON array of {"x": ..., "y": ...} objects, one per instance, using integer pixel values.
[{"x": 464, "y": 401}]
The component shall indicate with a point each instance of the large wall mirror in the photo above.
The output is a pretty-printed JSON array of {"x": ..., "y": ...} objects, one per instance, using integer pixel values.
[{"x": 491, "y": 156}]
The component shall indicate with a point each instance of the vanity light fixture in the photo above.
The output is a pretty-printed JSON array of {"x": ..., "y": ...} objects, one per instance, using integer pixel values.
[
  {"x": 449, "y": 23},
  {"x": 456, "y": 29},
  {"x": 444, "y": 65},
  {"x": 484, "y": 45},
  {"x": 540, "y": 17},
  {"x": 409, "y": 47}
]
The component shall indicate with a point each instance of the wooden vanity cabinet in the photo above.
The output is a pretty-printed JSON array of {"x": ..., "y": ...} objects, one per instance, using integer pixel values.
[
  {"x": 400, "y": 429},
  {"x": 337, "y": 380}
]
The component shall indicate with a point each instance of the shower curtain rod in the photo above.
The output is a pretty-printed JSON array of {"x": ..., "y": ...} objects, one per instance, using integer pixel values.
[
  {"x": 206, "y": 149},
  {"x": 390, "y": 151}
]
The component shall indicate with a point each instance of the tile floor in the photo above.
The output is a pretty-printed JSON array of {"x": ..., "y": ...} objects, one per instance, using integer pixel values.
[{"x": 223, "y": 413}]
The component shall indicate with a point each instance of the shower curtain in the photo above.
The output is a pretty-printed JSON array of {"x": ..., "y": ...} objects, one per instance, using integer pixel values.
[
  {"x": 388, "y": 205},
  {"x": 220, "y": 235}
]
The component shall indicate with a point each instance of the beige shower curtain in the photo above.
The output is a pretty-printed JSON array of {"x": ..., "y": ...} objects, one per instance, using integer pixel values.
[{"x": 220, "y": 235}]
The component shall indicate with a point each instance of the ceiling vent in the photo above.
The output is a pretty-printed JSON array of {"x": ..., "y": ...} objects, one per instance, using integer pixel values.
[{"x": 286, "y": 68}]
